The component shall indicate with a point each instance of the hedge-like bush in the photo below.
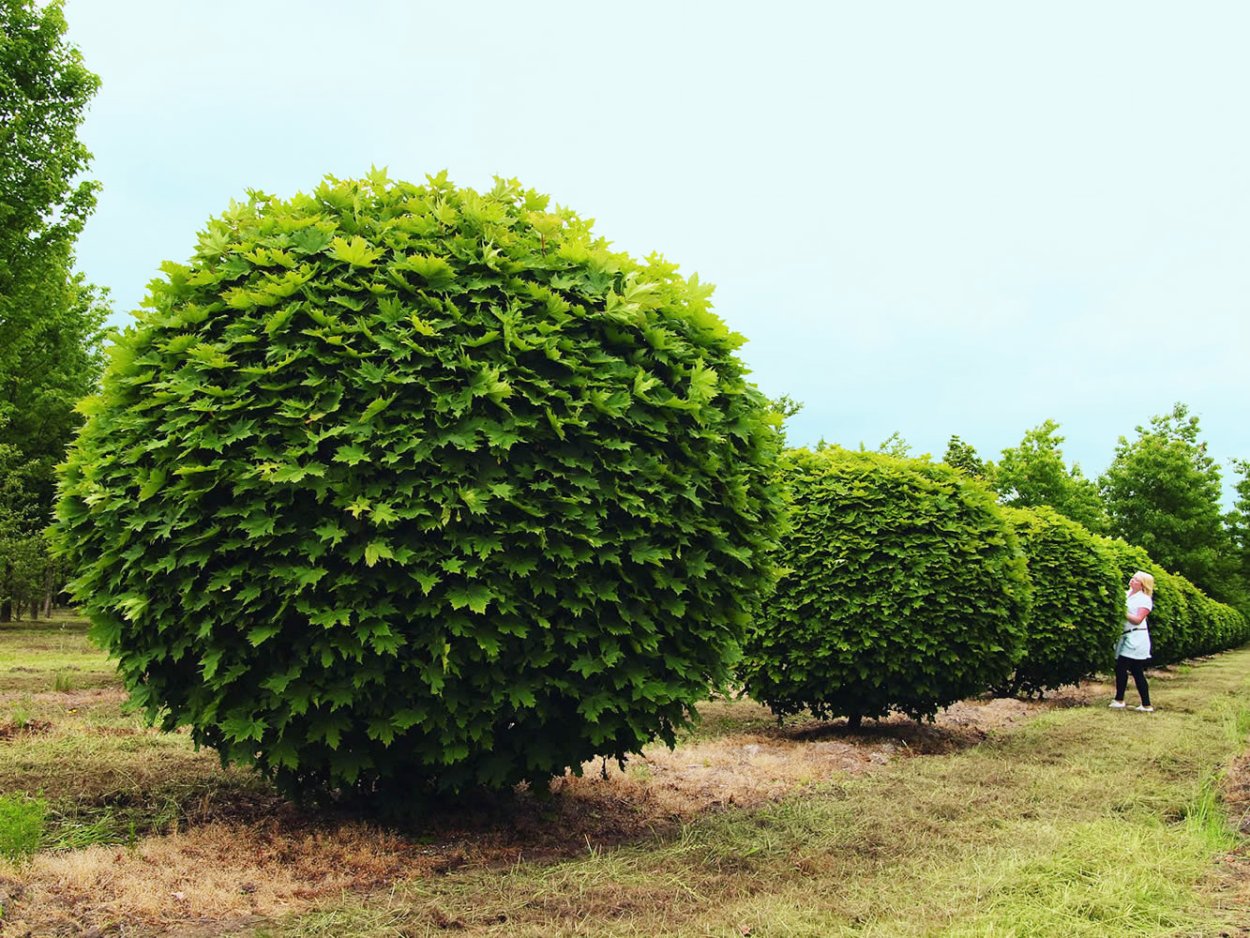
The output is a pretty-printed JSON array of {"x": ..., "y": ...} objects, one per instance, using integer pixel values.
[
  {"x": 1078, "y": 605},
  {"x": 404, "y": 486},
  {"x": 902, "y": 588}
]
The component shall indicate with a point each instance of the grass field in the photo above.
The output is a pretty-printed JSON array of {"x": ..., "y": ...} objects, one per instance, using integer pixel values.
[{"x": 1003, "y": 819}]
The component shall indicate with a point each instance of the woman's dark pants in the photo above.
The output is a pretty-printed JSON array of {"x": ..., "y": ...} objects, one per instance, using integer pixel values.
[{"x": 1138, "y": 668}]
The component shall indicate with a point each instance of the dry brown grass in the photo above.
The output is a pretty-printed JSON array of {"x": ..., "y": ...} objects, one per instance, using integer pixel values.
[
  {"x": 236, "y": 856},
  {"x": 751, "y": 768},
  {"x": 220, "y": 873}
]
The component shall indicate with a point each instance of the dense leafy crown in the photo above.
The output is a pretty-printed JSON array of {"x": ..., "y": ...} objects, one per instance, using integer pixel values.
[
  {"x": 44, "y": 91},
  {"x": 50, "y": 319},
  {"x": 411, "y": 483},
  {"x": 1078, "y": 601},
  {"x": 1162, "y": 492},
  {"x": 903, "y": 588}
]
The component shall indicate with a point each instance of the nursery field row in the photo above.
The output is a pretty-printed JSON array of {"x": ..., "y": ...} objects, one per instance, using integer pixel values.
[{"x": 1004, "y": 817}]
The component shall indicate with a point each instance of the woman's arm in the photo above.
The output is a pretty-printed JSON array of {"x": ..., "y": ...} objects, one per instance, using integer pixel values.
[{"x": 1137, "y": 615}]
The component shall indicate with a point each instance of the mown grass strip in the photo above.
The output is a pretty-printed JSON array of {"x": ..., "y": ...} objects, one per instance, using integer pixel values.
[{"x": 1082, "y": 822}]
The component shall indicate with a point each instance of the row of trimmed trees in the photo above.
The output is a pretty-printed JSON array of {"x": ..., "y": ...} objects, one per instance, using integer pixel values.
[{"x": 905, "y": 586}]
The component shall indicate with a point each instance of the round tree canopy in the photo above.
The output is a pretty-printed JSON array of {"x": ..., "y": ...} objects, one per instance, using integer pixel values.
[
  {"x": 398, "y": 485},
  {"x": 903, "y": 588}
]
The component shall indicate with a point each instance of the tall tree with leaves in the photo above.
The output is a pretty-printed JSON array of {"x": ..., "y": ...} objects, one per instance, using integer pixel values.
[
  {"x": 1035, "y": 473},
  {"x": 44, "y": 90},
  {"x": 50, "y": 320},
  {"x": 1238, "y": 526},
  {"x": 1162, "y": 493},
  {"x": 963, "y": 456}
]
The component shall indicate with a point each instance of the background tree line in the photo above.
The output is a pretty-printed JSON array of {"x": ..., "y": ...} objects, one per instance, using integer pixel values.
[
  {"x": 1161, "y": 492},
  {"x": 51, "y": 319}
]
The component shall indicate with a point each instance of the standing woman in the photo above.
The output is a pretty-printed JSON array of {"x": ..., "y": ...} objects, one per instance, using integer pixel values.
[{"x": 1133, "y": 650}]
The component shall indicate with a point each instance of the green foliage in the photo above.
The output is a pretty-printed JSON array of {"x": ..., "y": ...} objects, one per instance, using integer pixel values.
[
  {"x": 27, "y": 571},
  {"x": 44, "y": 91},
  {"x": 50, "y": 320},
  {"x": 401, "y": 487},
  {"x": 902, "y": 588},
  {"x": 1162, "y": 492},
  {"x": 1237, "y": 523},
  {"x": 963, "y": 456},
  {"x": 1034, "y": 473},
  {"x": 22, "y": 821},
  {"x": 894, "y": 445},
  {"x": 50, "y": 358},
  {"x": 1078, "y": 607},
  {"x": 787, "y": 406}
]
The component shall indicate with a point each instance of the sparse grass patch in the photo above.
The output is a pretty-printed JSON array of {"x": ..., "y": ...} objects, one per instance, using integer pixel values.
[
  {"x": 104, "y": 777},
  {"x": 724, "y": 716}
]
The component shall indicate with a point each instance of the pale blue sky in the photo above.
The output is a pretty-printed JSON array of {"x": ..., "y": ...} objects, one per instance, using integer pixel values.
[{"x": 930, "y": 217}]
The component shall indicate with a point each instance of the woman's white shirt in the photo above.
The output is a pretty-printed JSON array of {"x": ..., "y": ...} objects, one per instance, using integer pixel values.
[{"x": 1135, "y": 642}]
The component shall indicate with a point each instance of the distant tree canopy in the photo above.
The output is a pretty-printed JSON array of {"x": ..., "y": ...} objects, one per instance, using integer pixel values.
[
  {"x": 963, "y": 456},
  {"x": 1162, "y": 493},
  {"x": 1238, "y": 522},
  {"x": 1034, "y": 474},
  {"x": 51, "y": 320},
  {"x": 44, "y": 90}
]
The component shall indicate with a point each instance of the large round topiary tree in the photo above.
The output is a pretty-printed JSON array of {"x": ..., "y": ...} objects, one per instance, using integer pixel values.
[
  {"x": 400, "y": 487},
  {"x": 902, "y": 588}
]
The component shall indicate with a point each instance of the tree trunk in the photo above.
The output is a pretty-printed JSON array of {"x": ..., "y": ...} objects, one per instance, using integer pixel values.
[
  {"x": 46, "y": 599},
  {"x": 854, "y": 720},
  {"x": 6, "y": 606}
]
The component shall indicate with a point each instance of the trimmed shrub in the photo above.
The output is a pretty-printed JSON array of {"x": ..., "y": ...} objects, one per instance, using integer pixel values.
[
  {"x": 902, "y": 588},
  {"x": 1078, "y": 607},
  {"x": 400, "y": 487}
]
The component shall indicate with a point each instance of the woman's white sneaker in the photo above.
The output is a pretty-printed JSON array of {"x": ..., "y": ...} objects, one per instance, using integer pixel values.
[
  {"x": 1116, "y": 705},
  {"x": 1146, "y": 709}
]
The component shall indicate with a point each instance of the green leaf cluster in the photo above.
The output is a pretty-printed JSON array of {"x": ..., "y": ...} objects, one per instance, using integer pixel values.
[
  {"x": 398, "y": 487},
  {"x": 902, "y": 587},
  {"x": 1035, "y": 474},
  {"x": 1078, "y": 602}
]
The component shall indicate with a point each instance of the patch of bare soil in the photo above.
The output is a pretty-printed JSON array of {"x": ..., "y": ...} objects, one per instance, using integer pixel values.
[
  {"x": 245, "y": 863},
  {"x": 13, "y": 730}
]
